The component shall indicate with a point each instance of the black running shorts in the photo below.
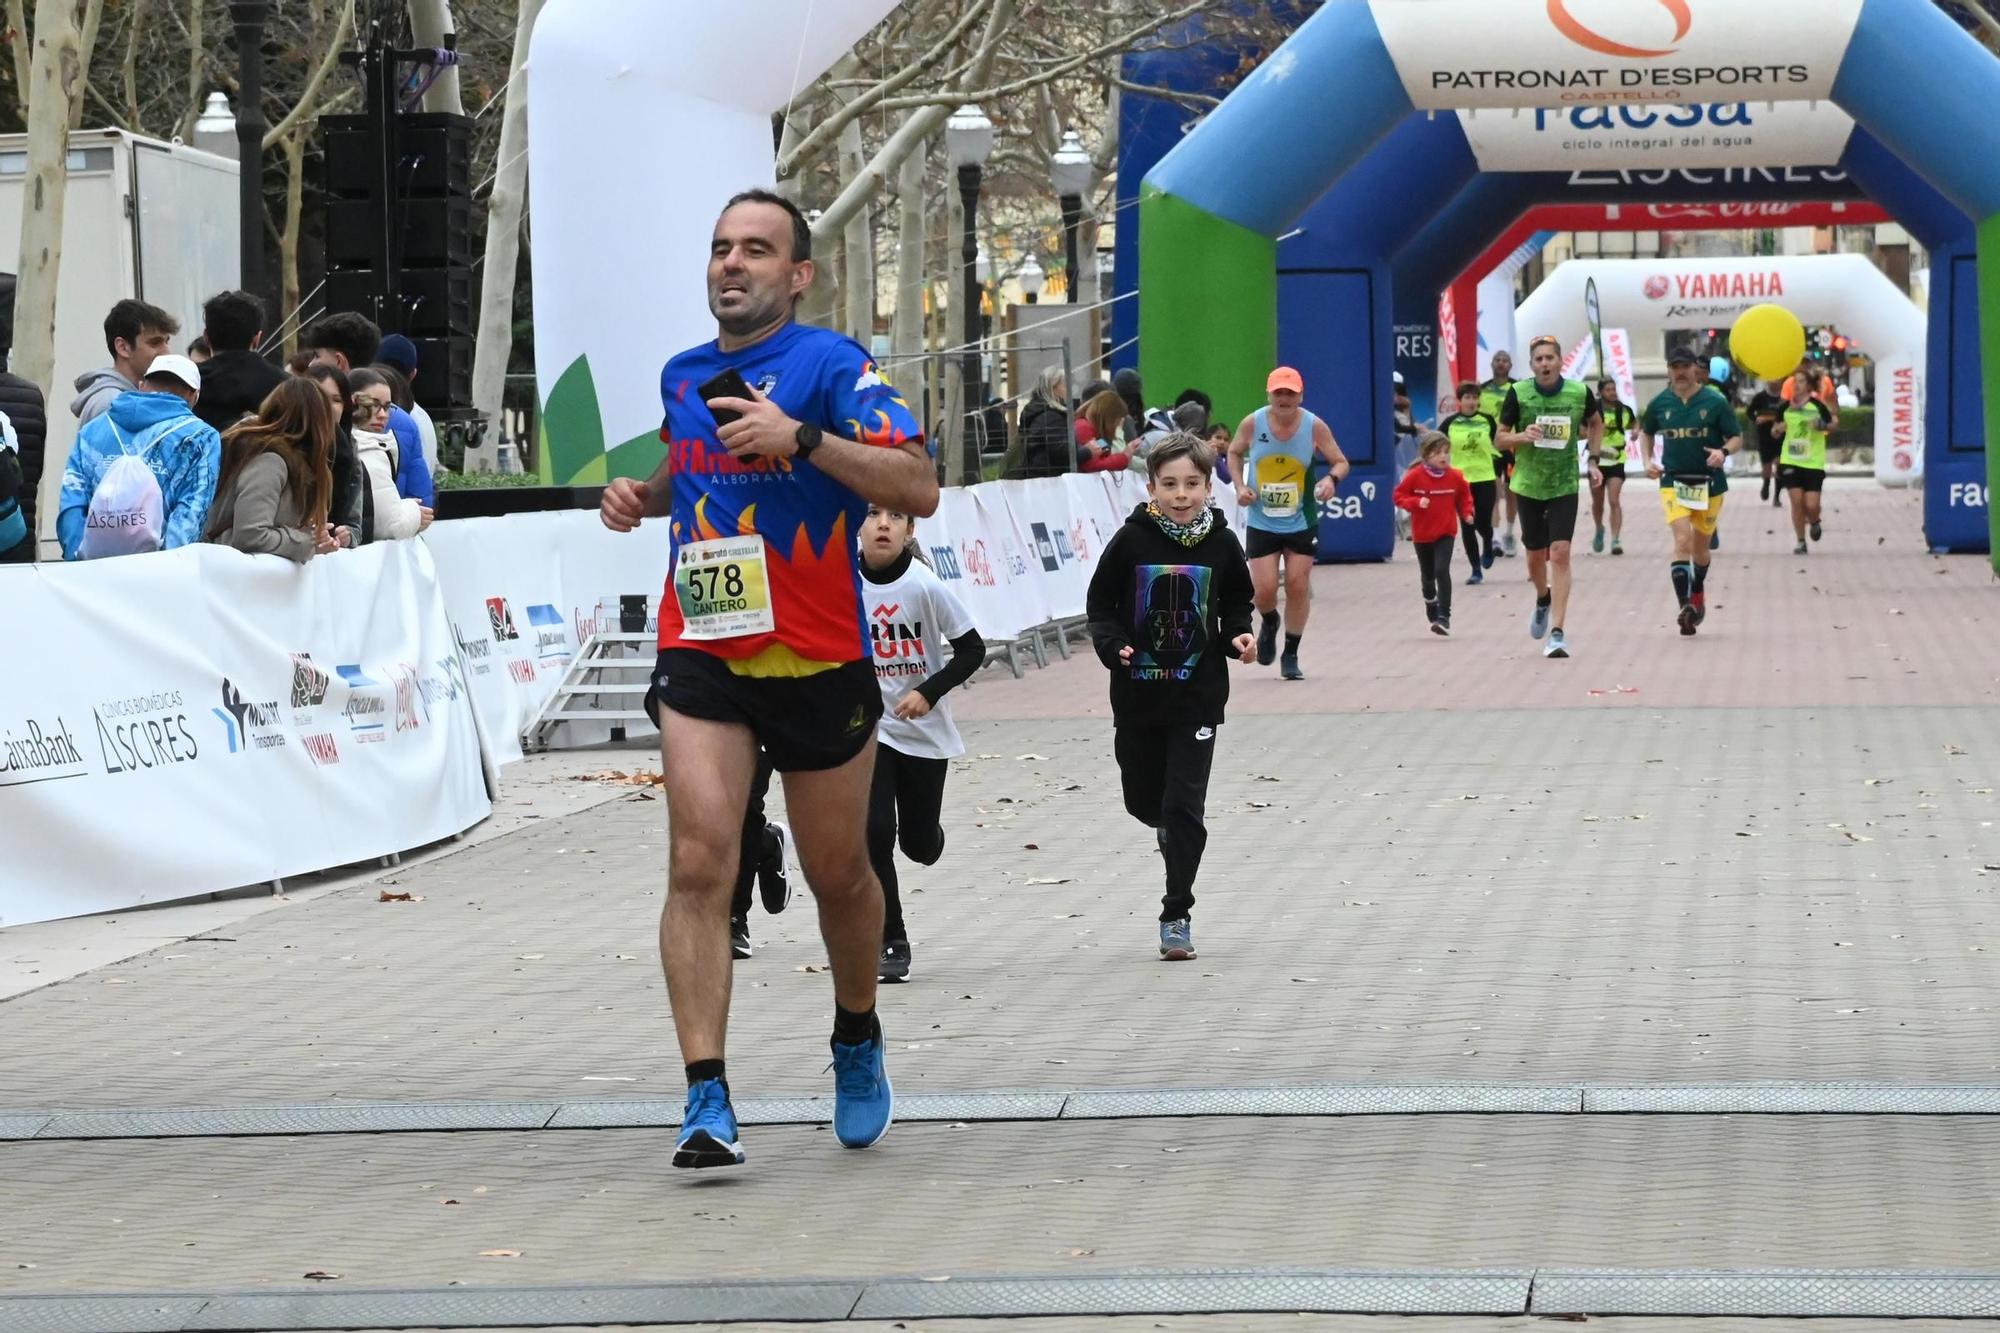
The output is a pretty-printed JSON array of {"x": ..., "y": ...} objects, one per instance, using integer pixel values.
[
  {"x": 1546, "y": 522},
  {"x": 804, "y": 723},
  {"x": 1611, "y": 470},
  {"x": 1260, "y": 543},
  {"x": 1801, "y": 478}
]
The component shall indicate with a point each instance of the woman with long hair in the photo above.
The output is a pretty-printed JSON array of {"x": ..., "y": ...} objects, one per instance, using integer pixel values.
[
  {"x": 1046, "y": 440},
  {"x": 1098, "y": 432},
  {"x": 277, "y": 477},
  {"x": 350, "y": 511}
]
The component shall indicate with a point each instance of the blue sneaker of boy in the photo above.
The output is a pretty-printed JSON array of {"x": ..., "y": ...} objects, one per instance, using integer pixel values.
[
  {"x": 708, "y": 1128},
  {"x": 863, "y": 1102},
  {"x": 1177, "y": 940}
]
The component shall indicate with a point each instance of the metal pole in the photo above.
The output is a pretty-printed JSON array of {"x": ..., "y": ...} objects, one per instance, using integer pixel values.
[
  {"x": 250, "y": 16},
  {"x": 1072, "y": 220},
  {"x": 975, "y": 396}
]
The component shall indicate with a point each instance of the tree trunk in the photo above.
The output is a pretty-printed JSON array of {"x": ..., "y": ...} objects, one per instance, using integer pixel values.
[
  {"x": 430, "y": 23},
  {"x": 906, "y": 337},
  {"x": 495, "y": 344},
  {"x": 56, "y": 74},
  {"x": 859, "y": 274},
  {"x": 93, "y": 15},
  {"x": 288, "y": 239}
]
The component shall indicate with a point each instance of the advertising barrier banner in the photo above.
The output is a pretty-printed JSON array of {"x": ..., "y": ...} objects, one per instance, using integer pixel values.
[{"x": 201, "y": 720}]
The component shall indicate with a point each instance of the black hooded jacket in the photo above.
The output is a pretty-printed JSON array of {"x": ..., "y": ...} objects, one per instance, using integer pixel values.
[{"x": 1178, "y": 608}]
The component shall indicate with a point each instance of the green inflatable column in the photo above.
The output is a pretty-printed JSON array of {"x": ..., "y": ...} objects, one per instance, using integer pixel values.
[
  {"x": 1989, "y": 353},
  {"x": 1208, "y": 313}
]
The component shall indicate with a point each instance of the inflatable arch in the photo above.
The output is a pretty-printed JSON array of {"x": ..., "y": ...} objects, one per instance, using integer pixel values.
[
  {"x": 1647, "y": 295},
  {"x": 1214, "y": 207},
  {"x": 633, "y": 150}
]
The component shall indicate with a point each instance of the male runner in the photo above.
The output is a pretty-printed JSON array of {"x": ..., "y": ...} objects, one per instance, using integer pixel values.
[
  {"x": 1607, "y": 484},
  {"x": 1767, "y": 409},
  {"x": 1542, "y": 421},
  {"x": 1492, "y": 397},
  {"x": 762, "y": 644},
  {"x": 1803, "y": 473},
  {"x": 1698, "y": 431},
  {"x": 1271, "y": 458}
]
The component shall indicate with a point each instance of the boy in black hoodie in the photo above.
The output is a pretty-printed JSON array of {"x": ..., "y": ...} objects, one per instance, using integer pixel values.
[{"x": 1169, "y": 602}]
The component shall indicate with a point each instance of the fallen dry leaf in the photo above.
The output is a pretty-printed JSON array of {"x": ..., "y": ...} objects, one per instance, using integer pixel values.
[
  {"x": 499, "y": 1254},
  {"x": 389, "y": 897},
  {"x": 1047, "y": 881},
  {"x": 811, "y": 967},
  {"x": 321, "y": 1275}
]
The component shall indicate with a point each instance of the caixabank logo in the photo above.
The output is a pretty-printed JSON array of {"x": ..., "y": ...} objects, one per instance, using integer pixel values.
[
  {"x": 248, "y": 725},
  {"x": 39, "y": 750}
]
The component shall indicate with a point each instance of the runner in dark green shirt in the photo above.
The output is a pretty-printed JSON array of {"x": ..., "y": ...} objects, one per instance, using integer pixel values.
[
  {"x": 1697, "y": 430},
  {"x": 1492, "y": 395}
]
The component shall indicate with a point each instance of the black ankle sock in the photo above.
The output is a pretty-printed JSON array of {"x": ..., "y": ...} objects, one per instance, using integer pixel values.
[
  {"x": 705, "y": 1069},
  {"x": 1292, "y": 644},
  {"x": 852, "y": 1029},
  {"x": 1700, "y": 578},
  {"x": 1544, "y": 599},
  {"x": 1268, "y": 617}
]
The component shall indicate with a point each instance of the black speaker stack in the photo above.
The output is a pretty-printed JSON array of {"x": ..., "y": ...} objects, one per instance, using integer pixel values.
[{"x": 399, "y": 238}]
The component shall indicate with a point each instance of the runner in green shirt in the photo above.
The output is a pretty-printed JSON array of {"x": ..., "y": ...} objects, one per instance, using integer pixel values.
[
  {"x": 1471, "y": 430},
  {"x": 1802, "y": 461},
  {"x": 1492, "y": 397},
  {"x": 1618, "y": 423},
  {"x": 1697, "y": 430},
  {"x": 1543, "y": 421}
]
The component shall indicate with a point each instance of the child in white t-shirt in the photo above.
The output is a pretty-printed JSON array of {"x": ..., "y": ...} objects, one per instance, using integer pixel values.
[{"x": 911, "y": 617}]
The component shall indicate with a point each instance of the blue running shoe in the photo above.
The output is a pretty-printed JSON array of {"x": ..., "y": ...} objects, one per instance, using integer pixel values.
[
  {"x": 1486, "y": 557},
  {"x": 1177, "y": 940},
  {"x": 863, "y": 1102},
  {"x": 1538, "y": 620},
  {"x": 708, "y": 1128},
  {"x": 1478, "y": 577}
]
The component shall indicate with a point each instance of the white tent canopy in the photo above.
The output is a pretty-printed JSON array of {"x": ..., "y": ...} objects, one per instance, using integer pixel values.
[
  {"x": 1648, "y": 295},
  {"x": 645, "y": 118}
]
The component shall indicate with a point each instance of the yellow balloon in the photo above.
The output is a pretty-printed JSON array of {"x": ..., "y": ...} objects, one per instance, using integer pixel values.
[{"x": 1768, "y": 341}]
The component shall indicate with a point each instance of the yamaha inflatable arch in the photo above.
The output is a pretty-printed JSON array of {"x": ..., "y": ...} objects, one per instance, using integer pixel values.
[{"x": 1274, "y": 161}]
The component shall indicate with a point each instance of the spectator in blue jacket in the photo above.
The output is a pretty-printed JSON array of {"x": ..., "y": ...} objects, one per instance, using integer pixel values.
[
  {"x": 350, "y": 341},
  {"x": 155, "y": 421}
]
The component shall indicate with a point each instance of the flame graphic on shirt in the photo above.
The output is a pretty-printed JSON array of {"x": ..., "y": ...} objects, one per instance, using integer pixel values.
[
  {"x": 886, "y": 434},
  {"x": 705, "y": 529}
]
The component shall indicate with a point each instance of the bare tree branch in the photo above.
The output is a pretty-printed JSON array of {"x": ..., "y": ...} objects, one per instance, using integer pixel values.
[
  {"x": 309, "y": 98},
  {"x": 17, "y": 24},
  {"x": 827, "y": 132},
  {"x": 1190, "y": 100}
]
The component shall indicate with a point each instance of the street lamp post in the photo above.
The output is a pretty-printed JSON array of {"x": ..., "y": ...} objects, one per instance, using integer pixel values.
[
  {"x": 968, "y": 141},
  {"x": 215, "y": 128},
  {"x": 249, "y": 16},
  {"x": 1032, "y": 279},
  {"x": 1070, "y": 167}
]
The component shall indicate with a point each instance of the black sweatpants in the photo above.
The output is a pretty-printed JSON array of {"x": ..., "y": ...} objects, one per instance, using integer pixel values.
[
  {"x": 1434, "y": 563},
  {"x": 751, "y": 854},
  {"x": 1484, "y": 494},
  {"x": 1164, "y": 770},
  {"x": 907, "y": 799}
]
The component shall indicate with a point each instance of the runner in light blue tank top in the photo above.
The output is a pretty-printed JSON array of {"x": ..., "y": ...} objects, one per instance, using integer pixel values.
[
  {"x": 1275, "y": 487},
  {"x": 1280, "y": 474}
]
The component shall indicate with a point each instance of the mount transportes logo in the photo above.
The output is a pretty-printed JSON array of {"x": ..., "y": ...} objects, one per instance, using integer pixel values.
[{"x": 1573, "y": 28}]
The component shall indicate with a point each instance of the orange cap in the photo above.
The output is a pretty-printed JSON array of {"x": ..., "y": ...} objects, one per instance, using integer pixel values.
[{"x": 1284, "y": 377}]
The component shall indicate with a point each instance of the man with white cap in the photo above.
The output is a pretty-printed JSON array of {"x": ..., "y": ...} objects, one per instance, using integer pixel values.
[{"x": 142, "y": 475}]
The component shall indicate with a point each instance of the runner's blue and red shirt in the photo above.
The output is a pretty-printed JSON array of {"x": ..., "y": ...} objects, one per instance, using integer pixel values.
[{"x": 809, "y": 521}]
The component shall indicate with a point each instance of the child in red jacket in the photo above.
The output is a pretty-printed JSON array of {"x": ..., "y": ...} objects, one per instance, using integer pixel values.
[{"x": 1438, "y": 499}]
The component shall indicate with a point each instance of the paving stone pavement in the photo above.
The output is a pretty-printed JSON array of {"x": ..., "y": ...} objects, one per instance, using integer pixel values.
[
  {"x": 936, "y": 1201},
  {"x": 1434, "y": 862}
]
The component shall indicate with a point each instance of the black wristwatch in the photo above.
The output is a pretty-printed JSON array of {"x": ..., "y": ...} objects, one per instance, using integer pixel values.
[{"x": 806, "y": 437}]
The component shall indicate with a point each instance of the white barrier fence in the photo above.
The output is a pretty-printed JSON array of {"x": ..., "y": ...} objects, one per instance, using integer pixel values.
[{"x": 199, "y": 720}]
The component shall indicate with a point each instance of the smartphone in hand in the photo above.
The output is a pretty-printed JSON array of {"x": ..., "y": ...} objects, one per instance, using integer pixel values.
[{"x": 729, "y": 384}]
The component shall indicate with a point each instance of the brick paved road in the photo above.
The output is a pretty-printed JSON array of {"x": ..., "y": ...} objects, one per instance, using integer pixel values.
[{"x": 1769, "y": 863}]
